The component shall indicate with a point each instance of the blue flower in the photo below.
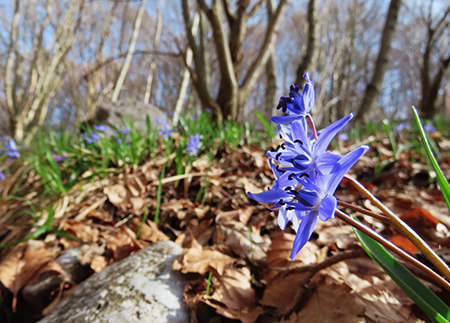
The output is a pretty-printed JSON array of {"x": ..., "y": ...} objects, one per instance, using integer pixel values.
[
  {"x": 343, "y": 137},
  {"x": 11, "y": 149},
  {"x": 2, "y": 176},
  {"x": 301, "y": 156},
  {"x": 429, "y": 128},
  {"x": 58, "y": 158},
  {"x": 402, "y": 126},
  {"x": 92, "y": 138},
  {"x": 124, "y": 130},
  {"x": 313, "y": 201},
  {"x": 194, "y": 144},
  {"x": 297, "y": 105},
  {"x": 101, "y": 127},
  {"x": 165, "y": 131}
]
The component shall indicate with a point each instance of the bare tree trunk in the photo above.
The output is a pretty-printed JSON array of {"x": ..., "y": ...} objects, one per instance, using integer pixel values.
[
  {"x": 270, "y": 101},
  {"x": 131, "y": 47},
  {"x": 430, "y": 86},
  {"x": 309, "y": 58},
  {"x": 159, "y": 25},
  {"x": 186, "y": 76},
  {"x": 373, "y": 89},
  {"x": 234, "y": 90},
  {"x": 27, "y": 102}
]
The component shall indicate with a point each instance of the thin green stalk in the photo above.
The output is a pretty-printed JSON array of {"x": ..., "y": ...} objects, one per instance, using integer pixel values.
[
  {"x": 144, "y": 218},
  {"x": 251, "y": 244},
  {"x": 404, "y": 229},
  {"x": 205, "y": 194},
  {"x": 158, "y": 193},
  {"x": 208, "y": 285}
]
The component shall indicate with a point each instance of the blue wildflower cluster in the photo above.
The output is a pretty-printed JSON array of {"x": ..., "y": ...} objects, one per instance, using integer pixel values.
[
  {"x": 165, "y": 130},
  {"x": 307, "y": 174},
  {"x": 194, "y": 144}
]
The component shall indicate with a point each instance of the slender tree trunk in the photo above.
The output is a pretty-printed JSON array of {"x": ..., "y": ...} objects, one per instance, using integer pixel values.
[
  {"x": 309, "y": 58},
  {"x": 186, "y": 75},
  {"x": 131, "y": 48},
  {"x": 373, "y": 89},
  {"x": 159, "y": 25}
]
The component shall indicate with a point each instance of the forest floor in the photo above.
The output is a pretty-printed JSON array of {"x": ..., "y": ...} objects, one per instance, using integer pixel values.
[{"x": 228, "y": 235}]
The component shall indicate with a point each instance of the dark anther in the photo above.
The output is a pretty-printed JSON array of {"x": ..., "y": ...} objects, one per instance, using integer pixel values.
[
  {"x": 278, "y": 147},
  {"x": 288, "y": 188},
  {"x": 291, "y": 176},
  {"x": 299, "y": 141},
  {"x": 280, "y": 170},
  {"x": 277, "y": 156},
  {"x": 281, "y": 137},
  {"x": 290, "y": 208},
  {"x": 268, "y": 188},
  {"x": 283, "y": 145},
  {"x": 281, "y": 202},
  {"x": 304, "y": 175},
  {"x": 269, "y": 209}
]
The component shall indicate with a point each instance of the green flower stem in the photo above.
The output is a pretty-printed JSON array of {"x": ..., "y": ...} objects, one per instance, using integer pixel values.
[
  {"x": 404, "y": 229},
  {"x": 378, "y": 238}
]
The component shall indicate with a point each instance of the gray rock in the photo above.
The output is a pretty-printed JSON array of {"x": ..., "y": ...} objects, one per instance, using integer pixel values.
[
  {"x": 114, "y": 114},
  {"x": 140, "y": 288}
]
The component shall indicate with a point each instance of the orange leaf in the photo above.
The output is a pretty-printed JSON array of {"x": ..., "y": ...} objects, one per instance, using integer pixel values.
[{"x": 405, "y": 244}]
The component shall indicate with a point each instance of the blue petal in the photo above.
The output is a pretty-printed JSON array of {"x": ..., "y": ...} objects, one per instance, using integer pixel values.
[
  {"x": 300, "y": 132},
  {"x": 326, "y": 161},
  {"x": 309, "y": 95},
  {"x": 271, "y": 196},
  {"x": 285, "y": 119},
  {"x": 305, "y": 230},
  {"x": 308, "y": 198},
  {"x": 2, "y": 176},
  {"x": 327, "y": 134},
  {"x": 327, "y": 208},
  {"x": 343, "y": 166}
]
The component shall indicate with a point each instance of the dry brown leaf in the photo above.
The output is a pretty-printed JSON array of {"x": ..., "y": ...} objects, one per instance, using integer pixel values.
[
  {"x": 117, "y": 194},
  {"x": 89, "y": 252},
  {"x": 335, "y": 232},
  {"x": 333, "y": 303},
  {"x": 137, "y": 205},
  {"x": 83, "y": 231},
  {"x": 149, "y": 230},
  {"x": 122, "y": 245},
  {"x": 98, "y": 263},
  {"x": 233, "y": 289},
  {"x": 201, "y": 261},
  {"x": 237, "y": 236},
  {"x": 11, "y": 265}
]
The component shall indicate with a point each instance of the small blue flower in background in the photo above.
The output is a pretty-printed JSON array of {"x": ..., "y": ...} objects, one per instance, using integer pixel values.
[
  {"x": 193, "y": 118},
  {"x": 343, "y": 137},
  {"x": 92, "y": 138},
  {"x": 297, "y": 105},
  {"x": 2, "y": 176},
  {"x": 194, "y": 144},
  {"x": 58, "y": 158},
  {"x": 101, "y": 127},
  {"x": 258, "y": 127},
  {"x": 11, "y": 149},
  {"x": 124, "y": 130},
  {"x": 208, "y": 110},
  {"x": 402, "y": 126},
  {"x": 429, "y": 128},
  {"x": 166, "y": 132}
]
